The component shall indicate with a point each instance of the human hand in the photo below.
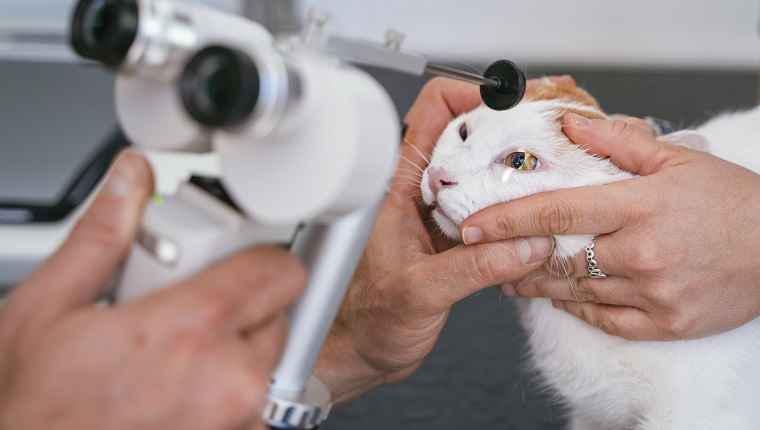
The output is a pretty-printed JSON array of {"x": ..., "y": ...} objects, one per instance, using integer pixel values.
[
  {"x": 196, "y": 355},
  {"x": 408, "y": 278},
  {"x": 679, "y": 243}
]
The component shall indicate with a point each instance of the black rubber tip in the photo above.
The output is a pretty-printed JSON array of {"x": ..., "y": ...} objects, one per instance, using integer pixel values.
[
  {"x": 511, "y": 85},
  {"x": 104, "y": 30},
  {"x": 220, "y": 86}
]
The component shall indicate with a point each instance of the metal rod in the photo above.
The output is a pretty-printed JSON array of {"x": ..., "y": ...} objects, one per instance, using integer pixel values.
[{"x": 462, "y": 76}]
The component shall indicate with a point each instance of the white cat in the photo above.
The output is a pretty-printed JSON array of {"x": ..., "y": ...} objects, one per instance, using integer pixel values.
[{"x": 487, "y": 157}]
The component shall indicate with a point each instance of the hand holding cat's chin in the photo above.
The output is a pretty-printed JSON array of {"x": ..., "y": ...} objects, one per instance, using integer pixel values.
[
  {"x": 679, "y": 243},
  {"x": 408, "y": 279}
]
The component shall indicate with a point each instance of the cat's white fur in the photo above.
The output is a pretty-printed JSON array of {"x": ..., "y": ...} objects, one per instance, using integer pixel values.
[{"x": 607, "y": 382}]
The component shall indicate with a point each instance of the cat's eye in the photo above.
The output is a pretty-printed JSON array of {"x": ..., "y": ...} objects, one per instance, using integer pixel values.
[
  {"x": 522, "y": 161},
  {"x": 463, "y": 131}
]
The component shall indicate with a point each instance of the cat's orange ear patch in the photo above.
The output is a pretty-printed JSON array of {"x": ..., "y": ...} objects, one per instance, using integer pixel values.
[
  {"x": 588, "y": 113},
  {"x": 570, "y": 93}
]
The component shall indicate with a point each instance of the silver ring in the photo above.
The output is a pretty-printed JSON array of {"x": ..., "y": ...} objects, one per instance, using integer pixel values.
[{"x": 593, "y": 270}]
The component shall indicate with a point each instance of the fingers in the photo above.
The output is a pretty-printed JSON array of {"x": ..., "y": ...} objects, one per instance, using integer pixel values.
[
  {"x": 79, "y": 271},
  {"x": 230, "y": 319},
  {"x": 630, "y": 147},
  {"x": 265, "y": 344},
  {"x": 635, "y": 121},
  {"x": 623, "y": 321},
  {"x": 585, "y": 210},
  {"x": 439, "y": 101},
  {"x": 610, "y": 258},
  {"x": 262, "y": 351},
  {"x": 221, "y": 387},
  {"x": 573, "y": 211},
  {"x": 612, "y": 290},
  {"x": 241, "y": 293},
  {"x": 484, "y": 265}
]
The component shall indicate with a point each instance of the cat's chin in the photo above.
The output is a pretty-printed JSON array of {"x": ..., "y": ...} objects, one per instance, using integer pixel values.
[{"x": 447, "y": 226}]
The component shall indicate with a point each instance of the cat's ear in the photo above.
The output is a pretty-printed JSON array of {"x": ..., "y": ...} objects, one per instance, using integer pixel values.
[
  {"x": 588, "y": 113},
  {"x": 549, "y": 90},
  {"x": 687, "y": 139}
]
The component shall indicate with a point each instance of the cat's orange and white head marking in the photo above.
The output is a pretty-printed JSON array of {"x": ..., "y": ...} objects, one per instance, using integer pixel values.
[{"x": 487, "y": 157}]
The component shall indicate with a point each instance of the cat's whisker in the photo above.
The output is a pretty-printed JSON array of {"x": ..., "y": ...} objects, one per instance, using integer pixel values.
[
  {"x": 563, "y": 264},
  {"x": 570, "y": 282},
  {"x": 415, "y": 173},
  {"x": 414, "y": 192},
  {"x": 407, "y": 184},
  {"x": 568, "y": 125},
  {"x": 409, "y": 142},
  {"x": 437, "y": 231},
  {"x": 580, "y": 89},
  {"x": 553, "y": 265},
  {"x": 416, "y": 198},
  {"x": 585, "y": 81},
  {"x": 411, "y": 162},
  {"x": 409, "y": 175}
]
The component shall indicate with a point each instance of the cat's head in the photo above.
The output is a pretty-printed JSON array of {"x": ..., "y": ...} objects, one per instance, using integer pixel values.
[{"x": 486, "y": 157}]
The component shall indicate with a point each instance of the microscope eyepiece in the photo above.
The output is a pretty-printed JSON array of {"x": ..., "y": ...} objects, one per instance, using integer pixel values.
[
  {"x": 103, "y": 30},
  {"x": 220, "y": 86}
]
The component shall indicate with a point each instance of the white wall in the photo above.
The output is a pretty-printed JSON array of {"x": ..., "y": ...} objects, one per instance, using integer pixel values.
[
  {"x": 643, "y": 33},
  {"x": 713, "y": 34}
]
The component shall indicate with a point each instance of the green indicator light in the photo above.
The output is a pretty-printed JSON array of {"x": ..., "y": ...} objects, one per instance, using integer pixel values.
[{"x": 158, "y": 199}]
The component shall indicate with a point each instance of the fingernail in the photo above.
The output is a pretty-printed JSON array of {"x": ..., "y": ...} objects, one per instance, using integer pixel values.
[
  {"x": 128, "y": 170},
  {"x": 579, "y": 120},
  {"x": 471, "y": 235},
  {"x": 559, "y": 304},
  {"x": 507, "y": 289},
  {"x": 533, "y": 248}
]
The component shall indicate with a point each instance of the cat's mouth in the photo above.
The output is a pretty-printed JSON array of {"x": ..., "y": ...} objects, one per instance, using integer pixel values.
[
  {"x": 444, "y": 221},
  {"x": 442, "y": 212}
]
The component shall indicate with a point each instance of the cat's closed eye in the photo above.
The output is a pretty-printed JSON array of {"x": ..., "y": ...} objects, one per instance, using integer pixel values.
[
  {"x": 463, "y": 131},
  {"x": 522, "y": 161}
]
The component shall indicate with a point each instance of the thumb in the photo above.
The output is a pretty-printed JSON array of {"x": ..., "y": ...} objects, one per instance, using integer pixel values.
[
  {"x": 629, "y": 147},
  {"x": 467, "y": 269},
  {"x": 82, "y": 267}
]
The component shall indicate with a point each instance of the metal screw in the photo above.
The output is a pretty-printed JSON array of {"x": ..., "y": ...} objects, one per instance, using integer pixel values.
[{"x": 394, "y": 39}]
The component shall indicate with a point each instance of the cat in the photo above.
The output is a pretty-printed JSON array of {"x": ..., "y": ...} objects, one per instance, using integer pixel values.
[{"x": 487, "y": 157}]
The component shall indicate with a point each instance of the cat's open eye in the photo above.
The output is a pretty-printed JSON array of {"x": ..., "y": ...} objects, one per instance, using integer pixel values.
[
  {"x": 463, "y": 131},
  {"x": 522, "y": 161}
]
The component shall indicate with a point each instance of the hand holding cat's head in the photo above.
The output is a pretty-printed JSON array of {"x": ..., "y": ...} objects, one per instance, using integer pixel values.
[{"x": 487, "y": 157}]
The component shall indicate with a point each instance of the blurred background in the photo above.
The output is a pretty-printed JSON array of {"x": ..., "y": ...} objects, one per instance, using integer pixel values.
[{"x": 680, "y": 60}]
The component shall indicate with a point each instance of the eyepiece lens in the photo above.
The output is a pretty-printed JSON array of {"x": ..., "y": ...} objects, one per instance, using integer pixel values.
[
  {"x": 220, "y": 86},
  {"x": 217, "y": 82},
  {"x": 98, "y": 19},
  {"x": 104, "y": 30}
]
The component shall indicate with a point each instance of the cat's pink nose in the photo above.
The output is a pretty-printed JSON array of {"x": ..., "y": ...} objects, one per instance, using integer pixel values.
[{"x": 439, "y": 178}]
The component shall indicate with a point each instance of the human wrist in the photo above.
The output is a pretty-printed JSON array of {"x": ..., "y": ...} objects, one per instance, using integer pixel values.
[{"x": 343, "y": 370}]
